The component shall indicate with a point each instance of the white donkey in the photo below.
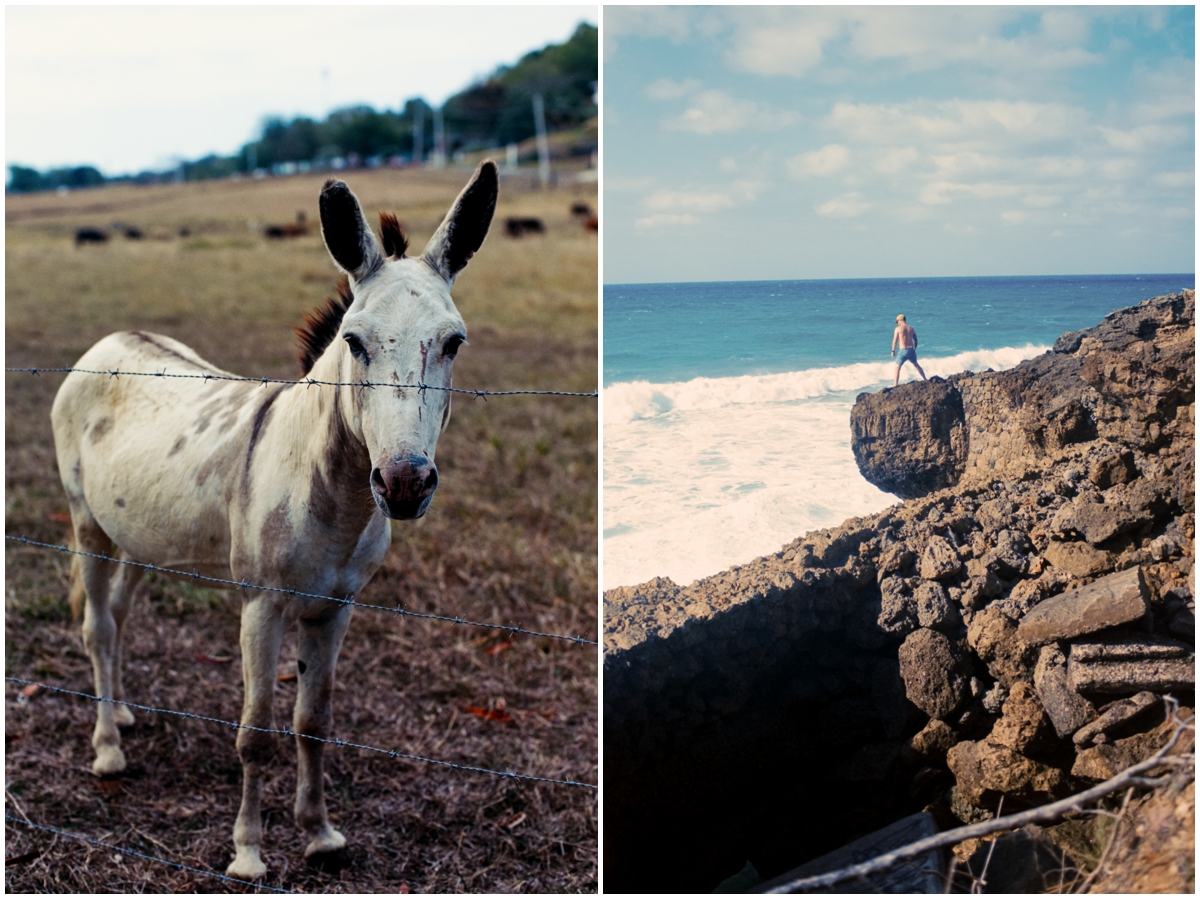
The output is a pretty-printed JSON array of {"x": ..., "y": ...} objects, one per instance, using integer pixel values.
[{"x": 289, "y": 486}]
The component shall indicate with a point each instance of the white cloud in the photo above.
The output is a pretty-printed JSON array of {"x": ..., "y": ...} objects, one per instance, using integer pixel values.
[
  {"x": 1042, "y": 201},
  {"x": 846, "y": 206},
  {"x": 663, "y": 219},
  {"x": 896, "y": 159},
  {"x": 974, "y": 122},
  {"x": 666, "y": 89},
  {"x": 716, "y": 112},
  {"x": 728, "y": 165},
  {"x": 828, "y": 160},
  {"x": 1175, "y": 179},
  {"x": 939, "y": 193},
  {"x": 693, "y": 200},
  {"x": 790, "y": 44},
  {"x": 1145, "y": 137}
]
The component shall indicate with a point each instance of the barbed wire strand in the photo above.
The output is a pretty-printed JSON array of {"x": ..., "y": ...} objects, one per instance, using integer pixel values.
[
  {"x": 308, "y": 382},
  {"x": 346, "y": 601},
  {"x": 288, "y": 732},
  {"x": 162, "y": 861}
]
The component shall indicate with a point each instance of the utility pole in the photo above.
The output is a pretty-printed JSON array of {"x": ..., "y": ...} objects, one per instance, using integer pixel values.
[
  {"x": 418, "y": 132},
  {"x": 439, "y": 139},
  {"x": 543, "y": 146}
]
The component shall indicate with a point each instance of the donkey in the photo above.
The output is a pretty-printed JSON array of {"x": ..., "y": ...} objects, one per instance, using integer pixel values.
[{"x": 284, "y": 487}]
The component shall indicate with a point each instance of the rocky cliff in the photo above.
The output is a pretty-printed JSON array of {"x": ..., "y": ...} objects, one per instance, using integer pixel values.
[{"x": 1007, "y": 633}]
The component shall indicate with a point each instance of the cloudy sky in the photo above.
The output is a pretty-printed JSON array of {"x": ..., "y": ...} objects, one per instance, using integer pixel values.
[
  {"x": 134, "y": 87},
  {"x": 749, "y": 143}
]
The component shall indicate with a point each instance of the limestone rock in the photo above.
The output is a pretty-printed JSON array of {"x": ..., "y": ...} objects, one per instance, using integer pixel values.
[
  {"x": 1024, "y": 726},
  {"x": 940, "y": 560},
  {"x": 1110, "y": 759},
  {"x": 1116, "y": 599},
  {"x": 1131, "y": 665},
  {"x": 910, "y": 440},
  {"x": 1067, "y": 710},
  {"x": 1079, "y": 559},
  {"x": 1119, "y": 718},
  {"x": 935, "y": 673},
  {"x": 984, "y": 773}
]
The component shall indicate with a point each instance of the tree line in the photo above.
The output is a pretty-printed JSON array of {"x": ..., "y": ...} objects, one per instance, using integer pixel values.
[{"x": 495, "y": 112}]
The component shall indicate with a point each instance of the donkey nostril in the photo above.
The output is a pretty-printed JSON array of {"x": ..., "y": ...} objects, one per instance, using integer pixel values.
[
  {"x": 377, "y": 482},
  {"x": 431, "y": 481}
]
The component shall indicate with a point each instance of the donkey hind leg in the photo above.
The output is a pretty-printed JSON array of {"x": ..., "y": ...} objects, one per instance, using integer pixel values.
[
  {"x": 317, "y": 652},
  {"x": 124, "y": 582},
  {"x": 107, "y": 589},
  {"x": 262, "y": 632}
]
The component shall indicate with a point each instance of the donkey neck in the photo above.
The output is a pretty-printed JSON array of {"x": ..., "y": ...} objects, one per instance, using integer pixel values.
[{"x": 338, "y": 459}]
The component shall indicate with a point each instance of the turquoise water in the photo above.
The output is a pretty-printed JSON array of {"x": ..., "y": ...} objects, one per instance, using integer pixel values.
[{"x": 727, "y": 405}]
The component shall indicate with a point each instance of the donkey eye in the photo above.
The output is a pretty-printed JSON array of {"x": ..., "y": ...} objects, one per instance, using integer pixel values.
[
  {"x": 357, "y": 349},
  {"x": 453, "y": 342}
]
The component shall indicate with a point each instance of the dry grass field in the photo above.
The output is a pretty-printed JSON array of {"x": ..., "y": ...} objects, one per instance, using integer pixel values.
[{"x": 510, "y": 538}]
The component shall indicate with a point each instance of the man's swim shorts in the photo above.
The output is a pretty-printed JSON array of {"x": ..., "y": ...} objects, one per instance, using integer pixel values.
[{"x": 907, "y": 354}]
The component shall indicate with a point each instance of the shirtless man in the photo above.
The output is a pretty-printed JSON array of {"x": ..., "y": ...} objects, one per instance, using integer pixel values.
[{"x": 906, "y": 337}]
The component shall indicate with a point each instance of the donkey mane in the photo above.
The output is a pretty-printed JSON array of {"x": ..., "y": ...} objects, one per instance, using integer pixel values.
[
  {"x": 321, "y": 326},
  {"x": 394, "y": 241}
]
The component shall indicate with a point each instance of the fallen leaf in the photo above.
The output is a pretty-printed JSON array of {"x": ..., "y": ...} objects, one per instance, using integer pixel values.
[
  {"x": 513, "y": 820},
  {"x": 212, "y": 660},
  {"x": 404, "y": 888},
  {"x": 285, "y": 677},
  {"x": 30, "y": 690},
  {"x": 59, "y": 516},
  {"x": 23, "y": 859},
  {"x": 499, "y": 648},
  {"x": 488, "y": 714},
  {"x": 111, "y": 786}
]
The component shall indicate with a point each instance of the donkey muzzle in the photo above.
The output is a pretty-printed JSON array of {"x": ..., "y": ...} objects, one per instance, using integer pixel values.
[{"x": 404, "y": 485}]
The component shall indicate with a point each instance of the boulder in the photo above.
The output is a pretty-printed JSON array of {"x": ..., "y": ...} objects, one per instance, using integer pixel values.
[
  {"x": 898, "y": 610},
  {"x": 934, "y": 741},
  {"x": 1116, "y": 599},
  {"x": 984, "y": 772},
  {"x": 935, "y": 673},
  {"x": 934, "y": 609},
  {"x": 910, "y": 440},
  {"x": 940, "y": 560},
  {"x": 1067, "y": 710},
  {"x": 995, "y": 639}
]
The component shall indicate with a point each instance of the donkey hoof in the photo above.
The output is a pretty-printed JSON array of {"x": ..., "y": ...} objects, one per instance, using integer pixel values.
[
  {"x": 123, "y": 716},
  {"x": 109, "y": 760},
  {"x": 247, "y": 864},
  {"x": 329, "y": 840}
]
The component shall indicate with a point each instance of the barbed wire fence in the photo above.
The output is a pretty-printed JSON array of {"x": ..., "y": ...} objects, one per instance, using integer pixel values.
[{"x": 244, "y": 585}]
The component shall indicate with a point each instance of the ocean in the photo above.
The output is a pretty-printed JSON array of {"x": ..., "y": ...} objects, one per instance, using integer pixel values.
[{"x": 727, "y": 405}]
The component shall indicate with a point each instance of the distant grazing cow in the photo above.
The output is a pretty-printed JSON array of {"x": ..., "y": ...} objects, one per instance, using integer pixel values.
[
  {"x": 581, "y": 210},
  {"x": 278, "y": 232},
  {"x": 133, "y": 233},
  {"x": 517, "y": 226},
  {"x": 592, "y": 224},
  {"x": 185, "y": 231},
  {"x": 90, "y": 235}
]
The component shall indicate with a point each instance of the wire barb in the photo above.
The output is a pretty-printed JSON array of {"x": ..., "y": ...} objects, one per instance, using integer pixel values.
[
  {"x": 477, "y": 394},
  {"x": 290, "y": 591},
  {"x": 273, "y": 730}
]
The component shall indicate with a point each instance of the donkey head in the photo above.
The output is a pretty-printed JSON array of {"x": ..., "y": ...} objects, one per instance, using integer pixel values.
[{"x": 402, "y": 328}]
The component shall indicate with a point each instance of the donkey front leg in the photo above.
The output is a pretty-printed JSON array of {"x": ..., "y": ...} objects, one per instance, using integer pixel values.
[
  {"x": 318, "y": 648},
  {"x": 262, "y": 632}
]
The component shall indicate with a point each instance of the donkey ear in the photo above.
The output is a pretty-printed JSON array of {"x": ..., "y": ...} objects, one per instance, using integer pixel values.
[
  {"x": 466, "y": 224},
  {"x": 346, "y": 233}
]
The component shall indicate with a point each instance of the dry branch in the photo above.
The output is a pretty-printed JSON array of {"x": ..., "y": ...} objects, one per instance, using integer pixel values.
[{"x": 1130, "y": 777}]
